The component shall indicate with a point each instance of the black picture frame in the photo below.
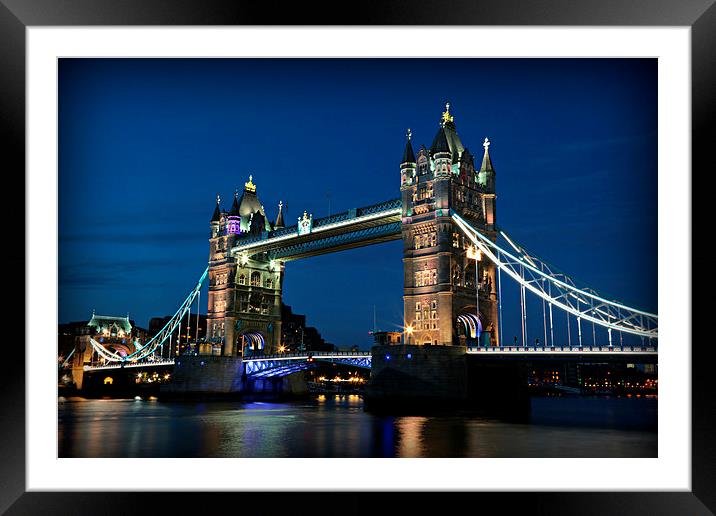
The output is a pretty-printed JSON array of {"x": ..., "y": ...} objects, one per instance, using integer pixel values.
[{"x": 17, "y": 15}]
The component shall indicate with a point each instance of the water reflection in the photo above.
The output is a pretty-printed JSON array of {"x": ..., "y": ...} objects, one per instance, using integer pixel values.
[
  {"x": 337, "y": 426},
  {"x": 410, "y": 440}
]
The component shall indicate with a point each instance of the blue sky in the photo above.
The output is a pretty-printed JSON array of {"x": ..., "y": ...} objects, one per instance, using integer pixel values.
[{"x": 146, "y": 144}]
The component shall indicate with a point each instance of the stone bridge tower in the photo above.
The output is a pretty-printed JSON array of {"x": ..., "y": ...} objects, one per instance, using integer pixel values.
[
  {"x": 244, "y": 306},
  {"x": 439, "y": 264}
]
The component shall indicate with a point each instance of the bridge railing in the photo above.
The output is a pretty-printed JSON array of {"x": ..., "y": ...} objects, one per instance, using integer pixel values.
[
  {"x": 309, "y": 354},
  {"x": 125, "y": 365},
  {"x": 563, "y": 349}
]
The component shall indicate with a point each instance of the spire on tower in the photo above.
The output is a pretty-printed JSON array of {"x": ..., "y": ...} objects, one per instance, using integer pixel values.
[
  {"x": 486, "y": 161},
  {"x": 279, "y": 218},
  {"x": 250, "y": 186},
  {"x": 447, "y": 117},
  {"x": 446, "y": 139},
  {"x": 408, "y": 154},
  {"x": 216, "y": 217},
  {"x": 235, "y": 206}
]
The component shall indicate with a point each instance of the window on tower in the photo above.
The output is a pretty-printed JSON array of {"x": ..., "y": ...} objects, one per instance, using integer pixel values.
[
  {"x": 242, "y": 279},
  {"x": 244, "y": 302},
  {"x": 255, "y": 279},
  {"x": 426, "y": 277},
  {"x": 456, "y": 240}
]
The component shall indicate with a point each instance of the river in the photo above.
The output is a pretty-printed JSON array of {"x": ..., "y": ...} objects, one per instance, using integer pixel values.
[{"x": 338, "y": 426}]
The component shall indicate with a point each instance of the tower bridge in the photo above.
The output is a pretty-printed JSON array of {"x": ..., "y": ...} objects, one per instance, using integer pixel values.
[{"x": 456, "y": 260}]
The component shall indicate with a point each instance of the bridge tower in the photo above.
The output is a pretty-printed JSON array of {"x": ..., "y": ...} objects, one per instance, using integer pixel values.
[
  {"x": 244, "y": 305},
  {"x": 439, "y": 263}
]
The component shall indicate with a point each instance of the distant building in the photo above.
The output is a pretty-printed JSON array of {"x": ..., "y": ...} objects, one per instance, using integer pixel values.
[
  {"x": 296, "y": 336},
  {"x": 387, "y": 338},
  {"x": 118, "y": 335}
]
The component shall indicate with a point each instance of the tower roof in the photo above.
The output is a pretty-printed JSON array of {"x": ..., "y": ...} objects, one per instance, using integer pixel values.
[
  {"x": 216, "y": 217},
  {"x": 247, "y": 205},
  {"x": 235, "y": 205},
  {"x": 249, "y": 202},
  {"x": 279, "y": 218},
  {"x": 408, "y": 154},
  {"x": 100, "y": 322},
  {"x": 486, "y": 161},
  {"x": 446, "y": 139}
]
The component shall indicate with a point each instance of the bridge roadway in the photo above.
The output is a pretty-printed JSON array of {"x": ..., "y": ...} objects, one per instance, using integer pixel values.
[
  {"x": 353, "y": 228},
  {"x": 282, "y": 364}
]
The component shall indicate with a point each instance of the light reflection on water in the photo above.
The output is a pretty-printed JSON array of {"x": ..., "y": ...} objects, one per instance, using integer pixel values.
[{"x": 337, "y": 426}]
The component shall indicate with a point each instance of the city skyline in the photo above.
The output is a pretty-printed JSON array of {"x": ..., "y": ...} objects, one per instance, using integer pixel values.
[{"x": 147, "y": 144}]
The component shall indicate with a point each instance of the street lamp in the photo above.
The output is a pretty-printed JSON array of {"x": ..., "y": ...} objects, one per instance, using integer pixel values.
[{"x": 409, "y": 332}]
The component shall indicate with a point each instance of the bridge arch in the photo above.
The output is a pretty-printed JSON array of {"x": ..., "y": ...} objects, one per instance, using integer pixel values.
[
  {"x": 470, "y": 328},
  {"x": 251, "y": 343}
]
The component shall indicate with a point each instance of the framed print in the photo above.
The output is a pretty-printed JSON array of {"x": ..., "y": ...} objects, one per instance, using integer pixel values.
[{"x": 364, "y": 310}]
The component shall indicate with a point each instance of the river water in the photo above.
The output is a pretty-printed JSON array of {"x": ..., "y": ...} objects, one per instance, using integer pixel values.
[{"x": 338, "y": 426}]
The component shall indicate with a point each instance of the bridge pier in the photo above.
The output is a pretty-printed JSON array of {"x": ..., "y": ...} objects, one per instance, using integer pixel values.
[
  {"x": 221, "y": 376},
  {"x": 421, "y": 377},
  {"x": 413, "y": 373},
  {"x": 205, "y": 376}
]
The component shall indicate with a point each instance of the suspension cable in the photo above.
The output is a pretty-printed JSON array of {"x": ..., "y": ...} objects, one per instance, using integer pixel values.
[{"x": 633, "y": 323}]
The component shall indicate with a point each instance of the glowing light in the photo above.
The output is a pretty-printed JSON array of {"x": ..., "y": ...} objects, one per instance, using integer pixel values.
[
  {"x": 244, "y": 259},
  {"x": 447, "y": 117},
  {"x": 409, "y": 329},
  {"x": 474, "y": 253},
  {"x": 250, "y": 186}
]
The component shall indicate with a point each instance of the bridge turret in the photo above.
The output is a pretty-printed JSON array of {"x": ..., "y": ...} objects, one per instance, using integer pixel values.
[
  {"x": 486, "y": 180},
  {"x": 408, "y": 163},
  {"x": 216, "y": 218},
  {"x": 279, "y": 218},
  {"x": 233, "y": 223},
  {"x": 486, "y": 176}
]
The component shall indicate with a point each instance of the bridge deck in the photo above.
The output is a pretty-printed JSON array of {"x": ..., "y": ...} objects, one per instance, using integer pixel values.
[
  {"x": 353, "y": 228},
  {"x": 572, "y": 354}
]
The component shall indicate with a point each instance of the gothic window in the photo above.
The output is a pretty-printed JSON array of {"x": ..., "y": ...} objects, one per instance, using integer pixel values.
[
  {"x": 426, "y": 240},
  {"x": 456, "y": 240},
  {"x": 244, "y": 302},
  {"x": 255, "y": 279},
  {"x": 242, "y": 279},
  {"x": 417, "y": 306},
  {"x": 434, "y": 305},
  {"x": 268, "y": 283},
  {"x": 426, "y": 277},
  {"x": 433, "y": 315},
  {"x": 417, "y": 316}
]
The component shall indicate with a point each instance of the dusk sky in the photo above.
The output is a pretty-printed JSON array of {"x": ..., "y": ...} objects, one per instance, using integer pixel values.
[{"x": 145, "y": 145}]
